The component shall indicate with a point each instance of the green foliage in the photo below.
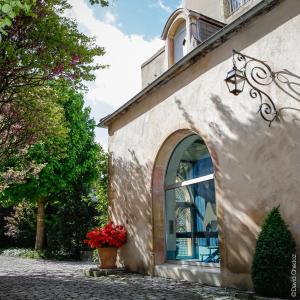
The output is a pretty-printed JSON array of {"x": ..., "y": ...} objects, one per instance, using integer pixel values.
[
  {"x": 35, "y": 254},
  {"x": 101, "y": 2},
  {"x": 47, "y": 147},
  {"x": 70, "y": 162},
  {"x": 30, "y": 53},
  {"x": 272, "y": 264},
  {"x": 40, "y": 111},
  {"x": 10, "y": 9},
  {"x": 32, "y": 60},
  {"x": 95, "y": 257},
  {"x": 20, "y": 225},
  {"x": 23, "y": 252},
  {"x": 98, "y": 198},
  {"x": 72, "y": 165},
  {"x": 67, "y": 225},
  {"x": 5, "y": 241},
  {"x": 81, "y": 169},
  {"x": 100, "y": 204}
]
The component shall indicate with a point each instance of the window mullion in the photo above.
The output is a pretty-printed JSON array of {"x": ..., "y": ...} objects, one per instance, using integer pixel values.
[{"x": 189, "y": 182}]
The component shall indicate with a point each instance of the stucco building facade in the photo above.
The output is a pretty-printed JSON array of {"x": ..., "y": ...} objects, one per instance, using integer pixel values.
[{"x": 193, "y": 168}]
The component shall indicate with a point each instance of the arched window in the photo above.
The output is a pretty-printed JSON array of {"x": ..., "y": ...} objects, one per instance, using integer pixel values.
[
  {"x": 190, "y": 206},
  {"x": 180, "y": 42}
]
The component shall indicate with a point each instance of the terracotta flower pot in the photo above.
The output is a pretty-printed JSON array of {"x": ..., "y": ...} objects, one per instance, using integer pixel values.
[{"x": 108, "y": 257}]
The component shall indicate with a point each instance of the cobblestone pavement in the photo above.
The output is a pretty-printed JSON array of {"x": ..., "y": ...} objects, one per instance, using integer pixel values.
[{"x": 52, "y": 280}]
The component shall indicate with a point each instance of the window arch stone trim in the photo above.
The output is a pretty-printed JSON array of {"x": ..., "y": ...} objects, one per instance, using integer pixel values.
[{"x": 178, "y": 14}]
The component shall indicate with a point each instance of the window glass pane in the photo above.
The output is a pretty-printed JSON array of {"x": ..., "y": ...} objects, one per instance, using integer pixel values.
[
  {"x": 190, "y": 160},
  {"x": 191, "y": 221},
  {"x": 234, "y": 5},
  {"x": 180, "y": 221}
]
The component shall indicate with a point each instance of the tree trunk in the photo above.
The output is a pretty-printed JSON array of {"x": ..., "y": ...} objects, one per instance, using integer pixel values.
[{"x": 40, "y": 225}]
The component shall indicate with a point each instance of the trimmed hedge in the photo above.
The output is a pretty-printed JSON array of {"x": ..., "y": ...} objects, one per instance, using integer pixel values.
[{"x": 272, "y": 263}]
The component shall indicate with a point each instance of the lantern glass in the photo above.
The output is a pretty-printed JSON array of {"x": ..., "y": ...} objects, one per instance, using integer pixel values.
[{"x": 235, "y": 81}]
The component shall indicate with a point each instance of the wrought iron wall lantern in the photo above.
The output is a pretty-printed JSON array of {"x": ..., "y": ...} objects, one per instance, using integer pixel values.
[{"x": 257, "y": 74}]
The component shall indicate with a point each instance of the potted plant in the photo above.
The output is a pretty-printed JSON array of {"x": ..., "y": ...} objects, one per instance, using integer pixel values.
[{"x": 107, "y": 240}]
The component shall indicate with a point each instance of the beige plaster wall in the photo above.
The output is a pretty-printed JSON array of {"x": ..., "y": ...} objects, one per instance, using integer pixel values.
[
  {"x": 228, "y": 18},
  {"x": 218, "y": 9},
  {"x": 210, "y": 8},
  {"x": 257, "y": 167},
  {"x": 153, "y": 67}
]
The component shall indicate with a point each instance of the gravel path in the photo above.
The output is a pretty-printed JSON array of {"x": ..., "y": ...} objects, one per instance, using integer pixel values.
[{"x": 40, "y": 279}]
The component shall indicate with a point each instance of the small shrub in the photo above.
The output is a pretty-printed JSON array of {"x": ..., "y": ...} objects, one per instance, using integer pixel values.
[
  {"x": 35, "y": 254},
  {"x": 23, "y": 252},
  {"x": 272, "y": 264},
  {"x": 20, "y": 225}
]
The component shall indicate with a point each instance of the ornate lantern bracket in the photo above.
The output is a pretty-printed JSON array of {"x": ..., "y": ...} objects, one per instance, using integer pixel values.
[{"x": 257, "y": 74}]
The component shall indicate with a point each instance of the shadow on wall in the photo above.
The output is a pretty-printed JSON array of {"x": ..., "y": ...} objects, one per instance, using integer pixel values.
[
  {"x": 289, "y": 83},
  {"x": 130, "y": 187},
  {"x": 258, "y": 168}
]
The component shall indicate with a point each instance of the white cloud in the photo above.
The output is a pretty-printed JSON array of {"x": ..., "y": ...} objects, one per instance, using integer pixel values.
[
  {"x": 110, "y": 18},
  {"x": 165, "y": 7},
  {"x": 124, "y": 53}
]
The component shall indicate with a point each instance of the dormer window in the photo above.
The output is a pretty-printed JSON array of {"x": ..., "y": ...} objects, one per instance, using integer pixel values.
[{"x": 185, "y": 30}]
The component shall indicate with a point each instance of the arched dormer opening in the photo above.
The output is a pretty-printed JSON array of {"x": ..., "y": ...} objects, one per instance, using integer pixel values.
[
  {"x": 178, "y": 42},
  {"x": 176, "y": 35},
  {"x": 184, "y": 30}
]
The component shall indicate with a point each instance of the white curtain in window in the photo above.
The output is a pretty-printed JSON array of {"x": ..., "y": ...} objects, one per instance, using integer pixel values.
[{"x": 180, "y": 43}]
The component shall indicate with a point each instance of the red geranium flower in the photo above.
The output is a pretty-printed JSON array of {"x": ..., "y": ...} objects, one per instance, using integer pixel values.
[{"x": 108, "y": 236}]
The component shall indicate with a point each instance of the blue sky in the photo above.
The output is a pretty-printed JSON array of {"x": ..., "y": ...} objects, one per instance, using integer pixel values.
[
  {"x": 130, "y": 31},
  {"x": 143, "y": 17}
]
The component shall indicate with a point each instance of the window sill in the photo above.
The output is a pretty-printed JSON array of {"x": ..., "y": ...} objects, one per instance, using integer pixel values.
[{"x": 193, "y": 262}]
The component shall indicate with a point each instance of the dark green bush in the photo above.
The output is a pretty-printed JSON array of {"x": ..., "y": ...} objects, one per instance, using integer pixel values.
[
  {"x": 67, "y": 226},
  {"x": 272, "y": 264}
]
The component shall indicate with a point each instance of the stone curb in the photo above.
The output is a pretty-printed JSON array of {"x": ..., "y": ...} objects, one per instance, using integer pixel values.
[{"x": 97, "y": 272}]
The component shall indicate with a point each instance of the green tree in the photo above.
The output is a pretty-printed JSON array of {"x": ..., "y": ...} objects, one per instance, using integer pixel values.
[
  {"x": 33, "y": 120},
  {"x": 75, "y": 215},
  {"x": 98, "y": 198},
  {"x": 71, "y": 164},
  {"x": 32, "y": 57},
  {"x": 272, "y": 264},
  {"x": 11, "y": 9}
]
